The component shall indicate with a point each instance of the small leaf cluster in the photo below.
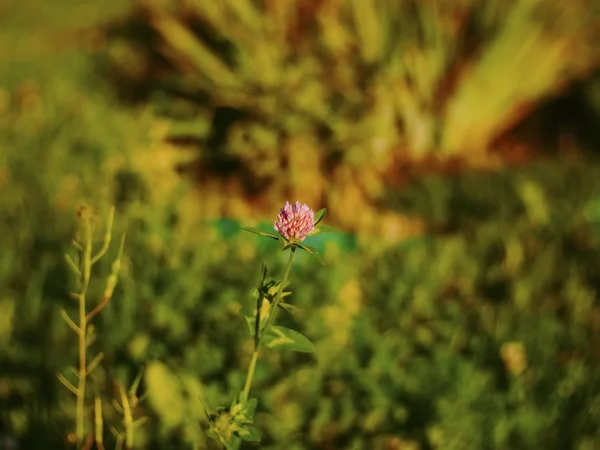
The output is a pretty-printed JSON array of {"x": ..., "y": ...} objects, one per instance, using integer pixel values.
[{"x": 234, "y": 424}]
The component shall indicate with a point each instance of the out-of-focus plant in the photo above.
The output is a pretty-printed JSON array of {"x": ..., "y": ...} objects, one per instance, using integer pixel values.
[
  {"x": 127, "y": 404},
  {"x": 63, "y": 140},
  {"x": 86, "y": 334},
  {"x": 83, "y": 327},
  {"x": 348, "y": 90}
]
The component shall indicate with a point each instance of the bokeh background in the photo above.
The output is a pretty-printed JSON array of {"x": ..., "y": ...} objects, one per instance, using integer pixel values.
[{"x": 455, "y": 144}]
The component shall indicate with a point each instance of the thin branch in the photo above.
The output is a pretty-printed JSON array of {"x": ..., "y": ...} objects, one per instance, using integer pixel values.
[
  {"x": 89, "y": 441},
  {"x": 77, "y": 245},
  {"x": 99, "y": 307},
  {"x": 107, "y": 237},
  {"x": 91, "y": 338},
  {"x": 94, "y": 363},
  {"x": 66, "y": 383},
  {"x": 72, "y": 265},
  {"x": 110, "y": 283},
  {"x": 69, "y": 321},
  {"x": 99, "y": 422},
  {"x": 127, "y": 418},
  {"x": 139, "y": 422},
  {"x": 116, "y": 405}
]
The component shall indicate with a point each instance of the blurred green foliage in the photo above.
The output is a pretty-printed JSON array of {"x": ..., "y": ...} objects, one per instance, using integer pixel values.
[
  {"x": 481, "y": 334},
  {"x": 326, "y": 100}
]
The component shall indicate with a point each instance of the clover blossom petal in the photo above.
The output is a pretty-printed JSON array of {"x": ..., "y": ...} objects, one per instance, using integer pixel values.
[{"x": 295, "y": 221}]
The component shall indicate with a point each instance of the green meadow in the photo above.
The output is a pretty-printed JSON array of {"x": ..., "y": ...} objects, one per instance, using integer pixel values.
[{"x": 453, "y": 304}]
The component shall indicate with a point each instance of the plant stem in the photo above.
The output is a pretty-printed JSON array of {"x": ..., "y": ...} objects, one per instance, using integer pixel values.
[
  {"x": 86, "y": 263},
  {"x": 250, "y": 375},
  {"x": 270, "y": 320},
  {"x": 127, "y": 419},
  {"x": 281, "y": 286}
]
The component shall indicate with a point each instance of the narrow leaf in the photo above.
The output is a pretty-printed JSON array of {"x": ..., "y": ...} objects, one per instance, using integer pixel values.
[
  {"x": 312, "y": 252},
  {"x": 322, "y": 230},
  {"x": 287, "y": 339},
  {"x": 136, "y": 382},
  {"x": 246, "y": 415},
  {"x": 69, "y": 321},
  {"x": 139, "y": 422},
  {"x": 94, "y": 363},
  {"x": 291, "y": 308},
  {"x": 116, "y": 405},
  {"x": 77, "y": 245},
  {"x": 260, "y": 232},
  {"x": 66, "y": 383},
  {"x": 206, "y": 411},
  {"x": 233, "y": 444},
  {"x": 249, "y": 315},
  {"x": 320, "y": 215},
  {"x": 72, "y": 265}
]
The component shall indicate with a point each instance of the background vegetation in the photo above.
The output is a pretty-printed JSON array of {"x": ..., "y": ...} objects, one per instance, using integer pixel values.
[{"x": 453, "y": 143}]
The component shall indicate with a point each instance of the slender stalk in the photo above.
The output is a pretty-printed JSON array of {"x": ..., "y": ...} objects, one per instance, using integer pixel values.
[
  {"x": 99, "y": 423},
  {"x": 250, "y": 375},
  {"x": 127, "y": 419},
  {"x": 83, "y": 329},
  {"x": 82, "y": 334},
  {"x": 277, "y": 300},
  {"x": 270, "y": 320}
]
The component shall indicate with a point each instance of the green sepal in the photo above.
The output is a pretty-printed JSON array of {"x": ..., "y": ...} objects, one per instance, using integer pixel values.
[
  {"x": 284, "y": 244},
  {"x": 287, "y": 339}
]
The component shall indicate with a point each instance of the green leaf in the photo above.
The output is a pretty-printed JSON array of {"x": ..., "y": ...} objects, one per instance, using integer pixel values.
[
  {"x": 212, "y": 434},
  {"x": 260, "y": 232},
  {"x": 322, "y": 230},
  {"x": 312, "y": 252},
  {"x": 246, "y": 414},
  {"x": 249, "y": 433},
  {"x": 263, "y": 273},
  {"x": 233, "y": 444},
  {"x": 287, "y": 339},
  {"x": 320, "y": 215},
  {"x": 206, "y": 409},
  {"x": 291, "y": 308},
  {"x": 249, "y": 315}
]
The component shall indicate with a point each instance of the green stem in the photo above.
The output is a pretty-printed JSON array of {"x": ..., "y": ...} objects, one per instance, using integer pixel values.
[
  {"x": 277, "y": 301},
  {"x": 127, "y": 419},
  {"x": 270, "y": 320},
  {"x": 86, "y": 262},
  {"x": 250, "y": 375}
]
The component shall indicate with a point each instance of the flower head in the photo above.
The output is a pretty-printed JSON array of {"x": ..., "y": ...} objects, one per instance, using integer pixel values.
[{"x": 295, "y": 222}]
